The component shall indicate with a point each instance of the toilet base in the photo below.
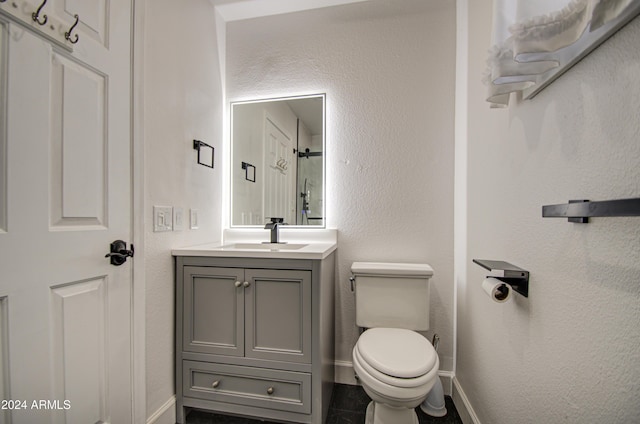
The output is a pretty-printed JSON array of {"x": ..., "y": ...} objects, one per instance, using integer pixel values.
[{"x": 379, "y": 413}]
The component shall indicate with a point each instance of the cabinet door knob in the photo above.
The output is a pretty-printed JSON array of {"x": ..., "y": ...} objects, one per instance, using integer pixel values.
[
  {"x": 270, "y": 391},
  {"x": 246, "y": 284},
  {"x": 215, "y": 384},
  {"x": 237, "y": 283}
]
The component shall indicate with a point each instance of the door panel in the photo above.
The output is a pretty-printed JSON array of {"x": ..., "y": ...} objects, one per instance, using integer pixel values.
[
  {"x": 214, "y": 311},
  {"x": 79, "y": 339},
  {"x": 278, "y": 315},
  {"x": 78, "y": 145},
  {"x": 278, "y": 186}
]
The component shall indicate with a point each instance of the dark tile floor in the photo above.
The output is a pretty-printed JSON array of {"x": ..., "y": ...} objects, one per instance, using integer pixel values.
[{"x": 348, "y": 406}]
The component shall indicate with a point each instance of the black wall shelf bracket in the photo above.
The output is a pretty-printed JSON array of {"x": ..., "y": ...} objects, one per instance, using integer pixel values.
[
  {"x": 515, "y": 276},
  {"x": 580, "y": 211}
]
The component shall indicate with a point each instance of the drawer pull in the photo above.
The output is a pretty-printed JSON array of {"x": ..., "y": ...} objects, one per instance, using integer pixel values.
[
  {"x": 237, "y": 284},
  {"x": 246, "y": 284},
  {"x": 270, "y": 391},
  {"x": 215, "y": 384}
]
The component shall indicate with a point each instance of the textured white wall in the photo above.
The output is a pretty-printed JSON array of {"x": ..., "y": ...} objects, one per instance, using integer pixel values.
[
  {"x": 387, "y": 68},
  {"x": 183, "y": 101},
  {"x": 569, "y": 353}
]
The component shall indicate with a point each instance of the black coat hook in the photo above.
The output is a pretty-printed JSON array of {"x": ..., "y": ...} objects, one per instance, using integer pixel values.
[
  {"x": 36, "y": 15},
  {"x": 67, "y": 34}
]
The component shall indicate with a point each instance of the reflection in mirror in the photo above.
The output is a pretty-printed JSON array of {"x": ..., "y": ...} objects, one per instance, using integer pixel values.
[{"x": 283, "y": 141}]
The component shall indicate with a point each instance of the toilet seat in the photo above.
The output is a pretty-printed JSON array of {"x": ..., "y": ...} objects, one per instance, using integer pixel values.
[{"x": 398, "y": 357}]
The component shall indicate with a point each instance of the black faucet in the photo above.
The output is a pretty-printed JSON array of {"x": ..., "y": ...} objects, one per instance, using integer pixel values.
[{"x": 273, "y": 226}]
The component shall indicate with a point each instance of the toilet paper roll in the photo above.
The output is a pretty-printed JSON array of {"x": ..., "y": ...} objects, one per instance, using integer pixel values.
[{"x": 498, "y": 291}]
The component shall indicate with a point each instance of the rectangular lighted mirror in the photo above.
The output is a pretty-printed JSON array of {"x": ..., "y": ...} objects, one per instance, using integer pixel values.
[{"x": 284, "y": 139}]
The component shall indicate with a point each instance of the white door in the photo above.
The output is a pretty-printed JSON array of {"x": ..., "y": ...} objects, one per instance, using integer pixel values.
[
  {"x": 66, "y": 312},
  {"x": 278, "y": 180}
]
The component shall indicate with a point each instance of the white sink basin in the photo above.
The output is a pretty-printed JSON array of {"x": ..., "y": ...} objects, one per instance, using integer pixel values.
[
  {"x": 297, "y": 248},
  {"x": 266, "y": 246}
]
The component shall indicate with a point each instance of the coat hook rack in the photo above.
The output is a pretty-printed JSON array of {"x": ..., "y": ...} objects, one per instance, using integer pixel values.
[
  {"x": 515, "y": 276},
  {"x": 48, "y": 26},
  {"x": 579, "y": 211},
  {"x": 36, "y": 15}
]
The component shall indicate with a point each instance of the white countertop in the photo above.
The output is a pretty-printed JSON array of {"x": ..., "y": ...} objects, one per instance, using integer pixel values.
[
  {"x": 311, "y": 250},
  {"x": 298, "y": 243}
]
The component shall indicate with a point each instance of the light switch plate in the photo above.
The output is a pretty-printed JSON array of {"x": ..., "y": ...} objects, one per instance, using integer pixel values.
[
  {"x": 162, "y": 218},
  {"x": 178, "y": 219},
  {"x": 194, "y": 219}
]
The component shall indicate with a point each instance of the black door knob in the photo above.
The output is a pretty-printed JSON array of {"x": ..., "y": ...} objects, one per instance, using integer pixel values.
[{"x": 118, "y": 252}]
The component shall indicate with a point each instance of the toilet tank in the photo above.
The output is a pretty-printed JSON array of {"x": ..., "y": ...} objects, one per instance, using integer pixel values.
[{"x": 392, "y": 295}]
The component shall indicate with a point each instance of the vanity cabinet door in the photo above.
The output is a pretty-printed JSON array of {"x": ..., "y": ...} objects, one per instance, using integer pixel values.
[
  {"x": 278, "y": 315},
  {"x": 213, "y": 310}
]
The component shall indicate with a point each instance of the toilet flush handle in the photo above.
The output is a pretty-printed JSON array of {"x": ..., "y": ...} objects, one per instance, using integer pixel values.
[
  {"x": 435, "y": 342},
  {"x": 352, "y": 281}
]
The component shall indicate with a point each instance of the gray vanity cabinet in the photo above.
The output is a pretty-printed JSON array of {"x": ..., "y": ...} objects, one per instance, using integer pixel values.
[
  {"x": 254, "y": 337},
  {"x": 254, "y": 313}
]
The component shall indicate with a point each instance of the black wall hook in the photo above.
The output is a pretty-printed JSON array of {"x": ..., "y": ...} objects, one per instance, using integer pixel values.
[
  {"x": 67, "y": 35},
  {"x": 36, "y": 15}
]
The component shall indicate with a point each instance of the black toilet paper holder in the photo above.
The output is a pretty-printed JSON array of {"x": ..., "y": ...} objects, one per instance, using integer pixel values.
[{"x": 516, "y": 277}]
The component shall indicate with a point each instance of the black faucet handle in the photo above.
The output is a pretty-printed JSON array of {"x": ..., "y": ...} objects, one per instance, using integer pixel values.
[{"x": 277, "y": 220}]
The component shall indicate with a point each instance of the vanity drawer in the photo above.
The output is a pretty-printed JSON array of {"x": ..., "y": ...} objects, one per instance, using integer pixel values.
[{"x": 260, "y": 387}]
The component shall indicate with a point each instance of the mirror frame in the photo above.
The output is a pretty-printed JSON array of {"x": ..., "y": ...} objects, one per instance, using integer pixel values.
[{"x": 232, "y": 160}]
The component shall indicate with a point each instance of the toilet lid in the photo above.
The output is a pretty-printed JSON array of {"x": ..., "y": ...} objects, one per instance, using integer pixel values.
[{"x": 397, "y": 352}]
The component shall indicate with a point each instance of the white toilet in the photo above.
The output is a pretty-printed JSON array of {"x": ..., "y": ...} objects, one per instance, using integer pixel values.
[{"x": 396, "y": 366}]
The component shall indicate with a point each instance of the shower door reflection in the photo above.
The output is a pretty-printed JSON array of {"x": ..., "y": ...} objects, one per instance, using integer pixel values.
[{"x": 309, "y": 207}]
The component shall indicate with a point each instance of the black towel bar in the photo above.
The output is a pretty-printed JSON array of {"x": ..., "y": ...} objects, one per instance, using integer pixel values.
[{"x": 581, "y": 210}]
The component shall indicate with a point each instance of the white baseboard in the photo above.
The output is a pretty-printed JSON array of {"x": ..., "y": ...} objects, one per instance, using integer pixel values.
[
  {"x": 166, "y": 414},
  {"x": 463, "y": 406},
  {"x": 344, "y": 375}
]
